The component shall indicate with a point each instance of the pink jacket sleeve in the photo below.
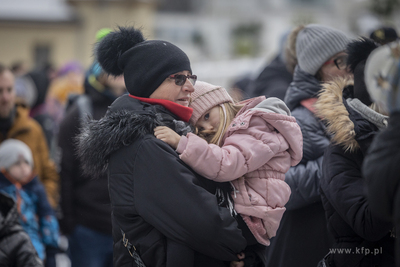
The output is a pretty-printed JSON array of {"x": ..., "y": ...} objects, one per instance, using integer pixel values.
[{"x": 242, "y": 152}]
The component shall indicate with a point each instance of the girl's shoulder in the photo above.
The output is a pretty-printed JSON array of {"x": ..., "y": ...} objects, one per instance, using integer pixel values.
[{"x": 270, "y": 109}]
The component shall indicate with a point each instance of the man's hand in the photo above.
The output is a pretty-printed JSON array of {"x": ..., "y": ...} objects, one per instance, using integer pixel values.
[{"x": 167, "y": 135}]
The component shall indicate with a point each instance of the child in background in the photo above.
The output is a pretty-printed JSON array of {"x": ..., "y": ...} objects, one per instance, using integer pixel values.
[
  {"x": 252, "y": 144},
  {"x": 17, "y": 180}
]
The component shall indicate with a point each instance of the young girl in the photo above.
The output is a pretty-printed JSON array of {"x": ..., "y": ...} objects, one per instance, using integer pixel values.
[
  {"x": 252, "y": 144},
  {"x": 17, "y": 180}
]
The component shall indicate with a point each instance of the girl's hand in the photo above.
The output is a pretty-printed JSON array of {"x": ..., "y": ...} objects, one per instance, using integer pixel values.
[
  {"x": 238, "y": 263},
  {"x": 167, "y": 135}
]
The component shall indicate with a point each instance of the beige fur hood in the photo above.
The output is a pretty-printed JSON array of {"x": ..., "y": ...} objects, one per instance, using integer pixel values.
[{"x": 331, "y": 109}]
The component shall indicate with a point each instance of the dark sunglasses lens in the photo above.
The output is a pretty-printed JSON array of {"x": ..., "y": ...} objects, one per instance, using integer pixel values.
[
  {"x": 180, "y": 79},
  {"x": 192, "y": 79}
]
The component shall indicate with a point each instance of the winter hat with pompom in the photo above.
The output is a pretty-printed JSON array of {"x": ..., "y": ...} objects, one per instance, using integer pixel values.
[
  {"x": 145, "y": 64},
  {"x": 205, "y": 97}
]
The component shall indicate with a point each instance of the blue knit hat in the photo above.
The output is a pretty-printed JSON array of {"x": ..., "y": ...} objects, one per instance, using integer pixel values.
[{"x": 315, "y": 44}]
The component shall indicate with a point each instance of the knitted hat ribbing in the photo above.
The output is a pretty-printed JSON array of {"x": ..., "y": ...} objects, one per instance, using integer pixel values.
[
  {"x": 205, "y": 97},
  {"x": 145, "y": 64},
  {"x": 11, "y": 150},
  {"x": 315, "y": 44}
]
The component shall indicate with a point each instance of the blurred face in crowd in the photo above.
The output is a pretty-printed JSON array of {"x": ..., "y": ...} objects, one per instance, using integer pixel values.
[
  {"x": 21, "y": 170},
  {"x": 116, "y": 84},
  {"x": 169, "y": 90},
  {"x": 334, "y": 67},
  {"x": 7, "y": 93}
]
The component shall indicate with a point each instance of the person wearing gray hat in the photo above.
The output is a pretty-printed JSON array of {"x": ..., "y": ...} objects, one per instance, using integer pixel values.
[{"x": 320, "y": 55}]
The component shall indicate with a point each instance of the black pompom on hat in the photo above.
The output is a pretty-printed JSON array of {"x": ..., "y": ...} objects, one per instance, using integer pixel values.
[{"x": 145, "y": 64}]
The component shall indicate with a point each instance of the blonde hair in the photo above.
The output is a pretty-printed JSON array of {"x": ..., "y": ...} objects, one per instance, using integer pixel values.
[
  {"x": 213, "y": 136},
  {"x": 290, "y": 49}
]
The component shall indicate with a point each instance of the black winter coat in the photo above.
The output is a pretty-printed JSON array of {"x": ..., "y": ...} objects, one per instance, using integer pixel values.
[
  {"x": 156, "y": 197},
  {"x": 381, "y": 169},
  {"x": 84, "y": 200},
  {"x": 302, "y": 238},
  {"x": 273, "y": 81},
  {"x": 349, "y": 216},
  {"x": 16, "y": 249}
]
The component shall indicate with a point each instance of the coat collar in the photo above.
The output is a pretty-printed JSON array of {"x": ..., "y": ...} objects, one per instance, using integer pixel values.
[
  {"x": 304, "y": 86},
  {"x": 184, "y": 113},
  {"x": 347, "y": 120}
]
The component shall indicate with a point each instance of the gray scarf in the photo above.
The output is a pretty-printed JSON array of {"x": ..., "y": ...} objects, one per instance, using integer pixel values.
[{"x": 367, "y": 113}]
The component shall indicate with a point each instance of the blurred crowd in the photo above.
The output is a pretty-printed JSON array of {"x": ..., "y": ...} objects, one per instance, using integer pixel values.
[{"x": 345, "y": 192}]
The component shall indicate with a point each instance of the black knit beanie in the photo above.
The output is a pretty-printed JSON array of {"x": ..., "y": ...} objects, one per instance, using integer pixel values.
[
  {"x": 145, "y": 64},
  {"x": 358, "y": 52}
]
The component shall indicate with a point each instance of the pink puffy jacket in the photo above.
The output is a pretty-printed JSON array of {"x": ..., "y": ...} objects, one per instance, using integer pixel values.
[{"x": 262, "y": 142}]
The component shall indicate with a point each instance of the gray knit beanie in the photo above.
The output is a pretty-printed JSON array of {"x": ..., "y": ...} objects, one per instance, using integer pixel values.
[
  {"x": 11, "y": 150},
  {"x": 316, "y": 44}
]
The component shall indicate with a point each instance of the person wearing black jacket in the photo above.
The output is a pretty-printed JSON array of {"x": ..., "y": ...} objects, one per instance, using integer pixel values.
[
  {"x": 16, "y": 247},
  {"x": 85, "y": 202},
  {"x": 163, "y": 213},
  {"x": 361, "y": 237},
  {"x": 381, "y": 166},
  {"x": 275, "y": 78}
]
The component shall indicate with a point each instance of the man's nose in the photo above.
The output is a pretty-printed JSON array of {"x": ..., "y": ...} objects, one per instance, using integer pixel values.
[{"x": 188, "y": 86}]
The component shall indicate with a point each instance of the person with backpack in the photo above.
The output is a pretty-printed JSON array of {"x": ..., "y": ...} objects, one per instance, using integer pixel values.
[{"x": 85, "y": 203}]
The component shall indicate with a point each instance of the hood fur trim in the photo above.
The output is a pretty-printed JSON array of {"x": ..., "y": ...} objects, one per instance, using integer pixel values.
[
  {"x": 99, "y": 138},
  {"x": 331, "y": 109}
]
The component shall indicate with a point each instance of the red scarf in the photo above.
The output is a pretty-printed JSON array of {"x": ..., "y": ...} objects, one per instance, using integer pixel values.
[{"x": 184, "y": 113}]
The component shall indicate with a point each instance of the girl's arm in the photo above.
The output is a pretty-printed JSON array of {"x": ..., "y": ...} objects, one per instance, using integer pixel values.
[
  {"x": 241, "y": 153},
  {"x": 206, "y": 159},
  {"x": 167, "y": 135}
]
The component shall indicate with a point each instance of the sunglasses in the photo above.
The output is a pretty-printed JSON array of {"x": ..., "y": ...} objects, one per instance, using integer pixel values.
[
  {"x": 180, "y": 79},
  {"x": 340, "y": 62}
]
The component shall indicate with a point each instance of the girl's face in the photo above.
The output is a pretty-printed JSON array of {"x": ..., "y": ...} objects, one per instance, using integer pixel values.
[
  {"x": 210, "y": 120},
  {"x": 21, "y": 170},
  {"x": 330, "y": 69},
  {"x": 168, "y": 90}
]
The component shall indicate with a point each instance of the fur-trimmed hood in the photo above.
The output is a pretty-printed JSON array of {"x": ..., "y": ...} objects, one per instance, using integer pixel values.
[
  {"x": 126, "y": 120},
  {"x": 348, "y": 120},
  {"x": 331, "y": 109}
]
